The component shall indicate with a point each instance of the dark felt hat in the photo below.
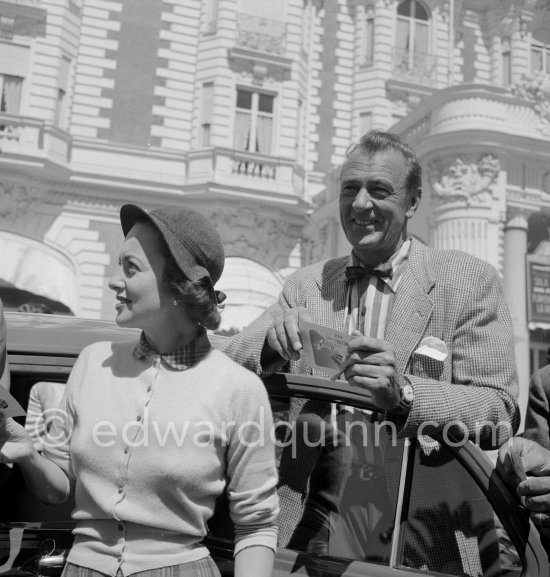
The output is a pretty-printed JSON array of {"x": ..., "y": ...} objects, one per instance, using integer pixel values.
[{"x": 194, "y": 243}]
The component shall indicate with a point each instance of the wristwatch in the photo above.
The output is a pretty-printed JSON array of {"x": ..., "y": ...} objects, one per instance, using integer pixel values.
[{"x": 406, "y": 398}]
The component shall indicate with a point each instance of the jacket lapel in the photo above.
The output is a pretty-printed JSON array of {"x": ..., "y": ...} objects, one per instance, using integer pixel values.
[
  {"x": 412, "y": 307},
  {"x": 334, "y": 291}
]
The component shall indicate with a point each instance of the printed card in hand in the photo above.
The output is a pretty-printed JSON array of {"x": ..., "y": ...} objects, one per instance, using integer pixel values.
[
  {"x": 9, "y": 407},
  {"x": 518, "y": 466},
  {"x": 324, "y": 348}
]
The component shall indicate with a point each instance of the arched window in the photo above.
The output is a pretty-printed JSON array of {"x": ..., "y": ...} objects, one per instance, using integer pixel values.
[{"x": 412, "y": 38}]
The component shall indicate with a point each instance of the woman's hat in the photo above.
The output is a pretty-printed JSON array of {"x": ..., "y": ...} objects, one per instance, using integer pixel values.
[{"x": 193, "y": 242}]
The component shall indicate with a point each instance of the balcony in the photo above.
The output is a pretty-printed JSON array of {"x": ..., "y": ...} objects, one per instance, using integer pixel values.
[
  {"x": 253, "y": 173},
  {"x": 30, "y": 142},
  {"x": 22, "y": 17},
  {"x": 414, "y": 67},
  {"x": 472, "y": 112}
]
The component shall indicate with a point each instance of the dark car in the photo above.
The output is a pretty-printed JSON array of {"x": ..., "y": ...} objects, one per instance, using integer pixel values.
[{"x": 375, "y": 506}]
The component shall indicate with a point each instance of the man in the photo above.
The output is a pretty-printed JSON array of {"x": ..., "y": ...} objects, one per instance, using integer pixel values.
[
  {"x": 396, "y": 293},
  {"x": 537, "y": 420},
  {"x": 532, "y": 480},
  {"x": 449, "y": 295}
]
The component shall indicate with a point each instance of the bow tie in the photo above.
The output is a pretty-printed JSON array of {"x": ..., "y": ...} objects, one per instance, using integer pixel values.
[{"x": 354, "y": 273}]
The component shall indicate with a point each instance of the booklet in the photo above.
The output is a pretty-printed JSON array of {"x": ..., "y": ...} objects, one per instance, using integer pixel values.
[
  {"x": 9, "y": 407},
  {"x": 324, "y": 348}
]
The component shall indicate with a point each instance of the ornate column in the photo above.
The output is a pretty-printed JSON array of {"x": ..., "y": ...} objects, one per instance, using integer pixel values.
[
  {"x": 515, "y": 289},
  {"x": 468, "y": 197}
]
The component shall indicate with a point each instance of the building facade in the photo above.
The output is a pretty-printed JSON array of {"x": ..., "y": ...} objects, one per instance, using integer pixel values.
[{"x": 244, "y": 109}]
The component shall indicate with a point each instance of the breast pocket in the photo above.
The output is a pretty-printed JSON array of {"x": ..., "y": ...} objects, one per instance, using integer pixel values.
[{"x": 427, "y": 367}]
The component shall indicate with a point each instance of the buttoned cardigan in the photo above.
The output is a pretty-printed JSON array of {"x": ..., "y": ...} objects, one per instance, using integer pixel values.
[{"x": 147, "y": 450}]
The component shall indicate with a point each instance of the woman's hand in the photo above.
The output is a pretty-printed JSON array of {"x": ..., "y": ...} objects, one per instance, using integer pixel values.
[{"x": 15, "y": 443}]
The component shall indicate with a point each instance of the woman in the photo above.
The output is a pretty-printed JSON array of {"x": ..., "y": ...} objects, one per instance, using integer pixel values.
[{"x": 155, "y": 430}]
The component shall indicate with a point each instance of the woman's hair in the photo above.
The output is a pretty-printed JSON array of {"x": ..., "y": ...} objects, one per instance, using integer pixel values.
[{"x": 198, "y": 297}]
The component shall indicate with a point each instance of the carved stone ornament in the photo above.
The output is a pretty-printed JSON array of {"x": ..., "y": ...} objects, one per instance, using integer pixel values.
[
  {"x": 315, "y": 244},
  {"x": 17, "y": 200},
  {"x": 465, "y": 180},
  {"x": 535, "y": 88},
  {"x": 21, "y": 200},
  {"x": 250, "y": 233}
]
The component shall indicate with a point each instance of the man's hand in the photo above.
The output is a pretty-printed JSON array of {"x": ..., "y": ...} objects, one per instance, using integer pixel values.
[
  {"x": 283, "y": 337},
  {"x": 371, "y": 364},
  {"x": 15, "y": 443},
  {"x": 536, "y": 461}
]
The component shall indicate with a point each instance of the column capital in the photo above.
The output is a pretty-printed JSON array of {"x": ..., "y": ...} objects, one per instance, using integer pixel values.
[{"x": 517, "y": 218}]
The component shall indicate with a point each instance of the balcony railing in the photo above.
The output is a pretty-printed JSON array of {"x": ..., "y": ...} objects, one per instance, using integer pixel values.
[
  {"x": 415, "y": 67},
  {"x": 30, "y": 3},
  {"x": 31, "y": 140},
  {"x": 261, "y": 34},
  {"x": 248, "y": 164}
]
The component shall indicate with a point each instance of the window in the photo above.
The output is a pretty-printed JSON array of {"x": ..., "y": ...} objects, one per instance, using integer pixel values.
[
  {"x": 412, "y": 35},
  {"x": 61, "y": 104},
  {"x": 540, "y": 58},
  {"x": 10, "y": 90},
  {"x": 368, "y": 40},
  {"x": 365, "y": 122},
  {"x": 206, "y": 113},
  {"x": 254, "y": 121},
  {"x": 339, "y": 475},
  {"x": 506, "y": 62},
  {"x": 211, "y": 22},
  {"x": 451, "y": 527}
]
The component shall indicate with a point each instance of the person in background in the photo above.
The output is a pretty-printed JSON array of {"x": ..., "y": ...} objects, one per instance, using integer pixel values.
[
  {"x": 156, "y": 429},
  {"x": 532, "y": 480},
  {"x": 42, "y": 409},
  {"x": 34, "y": 307},
  {"x": 537, "y": 419}
]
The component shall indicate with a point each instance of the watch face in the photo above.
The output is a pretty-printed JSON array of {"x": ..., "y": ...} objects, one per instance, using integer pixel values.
[{"x": 408, "y": 393}]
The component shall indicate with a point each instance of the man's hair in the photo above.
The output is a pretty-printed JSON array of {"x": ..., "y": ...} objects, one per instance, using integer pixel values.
[{"x": 377, "y": 141}]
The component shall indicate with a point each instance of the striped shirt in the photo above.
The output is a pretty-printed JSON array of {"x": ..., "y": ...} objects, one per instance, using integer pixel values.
[{"x": 370, "y": 300}]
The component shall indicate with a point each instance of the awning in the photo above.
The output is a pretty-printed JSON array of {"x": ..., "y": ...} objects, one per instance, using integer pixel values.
[{"x": 39, "y": 269}]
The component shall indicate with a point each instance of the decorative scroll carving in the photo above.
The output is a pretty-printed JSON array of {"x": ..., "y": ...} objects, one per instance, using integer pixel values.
[
  {"x": 536, "y": 89},
  {"x": 315, "y": 245},
  {"x": 262, "y": 237},
  {"x": 465, "y": 180},
  {"x": 21, "y": 200},
  {"x": 261, "y": 34},
  {"x": 17, "y": 200}
]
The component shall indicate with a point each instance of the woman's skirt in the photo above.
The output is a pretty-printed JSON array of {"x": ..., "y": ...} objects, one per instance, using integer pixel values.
[{"x": 204, "y": 567}]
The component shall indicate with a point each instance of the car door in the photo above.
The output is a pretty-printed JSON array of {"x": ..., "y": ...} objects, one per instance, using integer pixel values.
[{"x": 357, "y": 501}]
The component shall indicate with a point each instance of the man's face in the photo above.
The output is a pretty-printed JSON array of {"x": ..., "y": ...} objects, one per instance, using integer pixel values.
[{"x": 375, "y": 205}]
